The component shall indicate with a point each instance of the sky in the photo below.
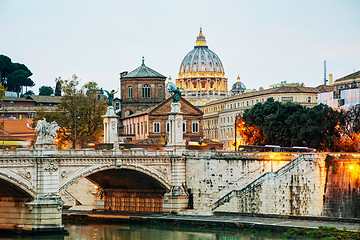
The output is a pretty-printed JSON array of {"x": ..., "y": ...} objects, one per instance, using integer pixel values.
[{"x": 264, "y": 42}]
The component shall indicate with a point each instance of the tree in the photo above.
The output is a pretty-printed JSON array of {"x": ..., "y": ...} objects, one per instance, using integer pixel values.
[
  {"x": 5, "y": 67},
  {"x": 46, "y": 91},
  {"x": 30, "y": 92},
  {"x": 291, "y": 124},
  {"x": 14, "y": 75},
  {"x": 58, "y": 86},
  {"x": 79, "y": 114}
]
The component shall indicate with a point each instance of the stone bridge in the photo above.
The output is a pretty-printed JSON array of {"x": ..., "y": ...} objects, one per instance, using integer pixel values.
[
  {"x": 31, "y": 182},
  {"x": 312, "y": 184}
]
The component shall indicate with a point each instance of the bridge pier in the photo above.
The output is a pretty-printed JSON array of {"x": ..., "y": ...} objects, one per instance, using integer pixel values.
[
  {"x": 44, "y": 212},
  {"x": 177, "y": 199}
]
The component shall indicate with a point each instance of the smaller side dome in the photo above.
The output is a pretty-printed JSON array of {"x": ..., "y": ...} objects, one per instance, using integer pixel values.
[
  {"x": 238, "y": 87},
  {"x": 169, "y": 83}
]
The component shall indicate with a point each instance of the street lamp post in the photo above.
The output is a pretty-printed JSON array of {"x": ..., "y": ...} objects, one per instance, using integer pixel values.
[
  {"x": 76, "y": 117},
  {"x": 3, "y": 125},
  {"x": 236, "y": 121}
]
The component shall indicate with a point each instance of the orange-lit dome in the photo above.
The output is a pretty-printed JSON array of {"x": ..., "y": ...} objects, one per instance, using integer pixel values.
[{"x": 201, "y": 59}]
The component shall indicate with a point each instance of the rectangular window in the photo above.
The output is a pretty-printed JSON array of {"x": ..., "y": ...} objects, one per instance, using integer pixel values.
[
  {"x": 184, "y": 127},
  {"x": 156, "y": 127},
  {"x": 167, "y": 127},
  {"x": 130, "y": 92},
  {"x": 117, "y": 106},
  {"x": 309, "y": 99},
  {"x": 287, "y": 99},
  {"x": 195, "y": 127},
  {"x": 160, "y": 92}
]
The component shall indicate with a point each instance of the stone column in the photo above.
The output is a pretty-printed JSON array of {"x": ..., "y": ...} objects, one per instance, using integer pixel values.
[
  {"x": 177, "y": 198},
  {"x": 176, "y": 140},
  {"x": 110, "y": 126},
  {"x": 45, "y": 211}
]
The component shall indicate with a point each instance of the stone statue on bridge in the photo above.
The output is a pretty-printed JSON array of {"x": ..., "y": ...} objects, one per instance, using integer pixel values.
[{"x": 46, "y": 133}]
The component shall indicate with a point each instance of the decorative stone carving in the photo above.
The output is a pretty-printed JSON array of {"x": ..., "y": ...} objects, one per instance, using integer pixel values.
[
  {"x": 46, "y": 133},
  {"x": 51, "y": 167}
]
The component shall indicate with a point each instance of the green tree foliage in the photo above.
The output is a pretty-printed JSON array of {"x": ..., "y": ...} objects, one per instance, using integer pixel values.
[
  {"x": 58, "y": 86},
  {"x": 79, "y": 114},
  {"x": 46, "y": 91},
  {"x": 290, "y": 124},
  {"x": 14, "y": 76},
  {"x": 5, "y": 67},
  {"x": 28, "y": 93}
]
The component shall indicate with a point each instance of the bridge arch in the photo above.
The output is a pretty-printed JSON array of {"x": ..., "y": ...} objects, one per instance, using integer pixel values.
[
  {"x": 147, "y": 171},
  {"x": 19, "y": 187}
]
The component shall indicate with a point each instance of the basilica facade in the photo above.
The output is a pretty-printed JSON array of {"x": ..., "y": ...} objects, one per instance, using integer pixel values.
[{"x": 202, "y": 75}]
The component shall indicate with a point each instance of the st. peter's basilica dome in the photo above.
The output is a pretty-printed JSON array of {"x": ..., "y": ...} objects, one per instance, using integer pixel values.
[
  {"x": 201, "y": 59},
  {"x": 202, "y": 74}
]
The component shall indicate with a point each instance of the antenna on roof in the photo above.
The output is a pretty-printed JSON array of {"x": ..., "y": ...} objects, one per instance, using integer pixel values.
[{"x": 325, "y": 80}]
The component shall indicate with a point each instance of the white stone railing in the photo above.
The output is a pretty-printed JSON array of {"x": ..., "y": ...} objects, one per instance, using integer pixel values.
[{"x": 84, "y": 152}]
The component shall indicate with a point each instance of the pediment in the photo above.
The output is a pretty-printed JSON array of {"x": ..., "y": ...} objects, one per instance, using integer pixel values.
[{"x": 186, "y": 108}]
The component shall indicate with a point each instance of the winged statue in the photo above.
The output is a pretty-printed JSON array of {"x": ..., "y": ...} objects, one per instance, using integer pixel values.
[
  {"x": 110, "y": 97},
  {"x": 176, "y": 92}
]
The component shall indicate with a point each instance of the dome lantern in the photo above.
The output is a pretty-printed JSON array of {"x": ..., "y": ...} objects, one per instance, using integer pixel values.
[{"x": 200, "y": 40}]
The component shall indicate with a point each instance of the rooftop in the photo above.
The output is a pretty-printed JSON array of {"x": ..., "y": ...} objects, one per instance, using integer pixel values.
[
  {"x": 349, "y": 77},
  {"x": 144, "y": 72}
]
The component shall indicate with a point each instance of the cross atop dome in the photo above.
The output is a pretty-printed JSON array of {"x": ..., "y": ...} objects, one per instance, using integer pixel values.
[{"x": 200, "y": 40}]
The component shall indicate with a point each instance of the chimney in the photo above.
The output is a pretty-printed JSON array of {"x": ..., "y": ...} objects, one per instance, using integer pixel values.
[
  {"x": 123, "y": 74},
  {"x": 330, "y": 79}
]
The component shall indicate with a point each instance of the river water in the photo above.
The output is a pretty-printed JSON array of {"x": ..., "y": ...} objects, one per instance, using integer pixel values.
[{"x": 148, "y": 232}]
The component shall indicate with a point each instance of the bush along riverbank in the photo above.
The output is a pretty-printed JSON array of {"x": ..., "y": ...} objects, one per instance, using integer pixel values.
[{"x": 323, "y": 232}]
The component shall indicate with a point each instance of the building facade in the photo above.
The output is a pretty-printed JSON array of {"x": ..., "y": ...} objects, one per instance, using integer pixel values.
[
  {"x": 141, "y": 89},
  {"x": 219, "y": 116},
  {"x": 151, "y": 126},
  {"x": 21, "y": 108},
  {"x": 202, "y": 75},
  {"x": 345, "y": 93}
]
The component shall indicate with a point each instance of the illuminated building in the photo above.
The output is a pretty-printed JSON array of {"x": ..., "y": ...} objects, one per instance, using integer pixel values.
[
  {"x": 202, "y": 75},
  {"x": 219, "y": 116}
]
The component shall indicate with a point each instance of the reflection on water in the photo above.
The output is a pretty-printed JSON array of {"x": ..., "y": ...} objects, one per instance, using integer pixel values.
[
  {"x": 138, "y": 232},
  {"x": 143, "y": 232}
]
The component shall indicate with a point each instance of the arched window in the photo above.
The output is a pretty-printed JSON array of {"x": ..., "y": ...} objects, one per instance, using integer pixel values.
[
  {"x": 160, "y": 92},
  {"x": 130, "y": 92},
  {"x": 145, "y": 91}
]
